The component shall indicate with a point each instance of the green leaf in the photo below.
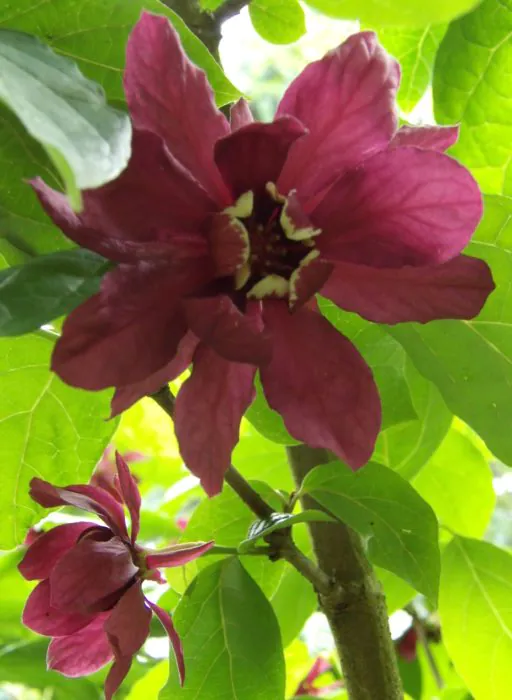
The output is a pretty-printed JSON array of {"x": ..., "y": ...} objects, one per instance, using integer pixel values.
[
  {"x": 476, "y": 616},
  {"x": 47, "y": 429},
  {"x": 46, "y": 288},
  {"x": 259, "y": 458},
  {"x": 415, "y": 50},
  {"x": 386, "y": 359},
  {"x": 94, "y": 35},
  {"x": 279, "y": 521},
  {"x": 88, "y": 141},
  {"x": 231, "y": 639},
  {"x": 25, "y": 664},
  {"x": 14, "y": 591},
  {"x": 278, "y": 21},
  {"x": 150, "y": 685},
  {"x": 415, "y": 13},
  {"x": 398, "y": 593},
  {"x": 267, "y": 421},
  {"x": 457, "y": 483},
  {"x": 407, "y": 447},
  {"x": 469, "y": 89},
  {"x": 399, "y": 528}
]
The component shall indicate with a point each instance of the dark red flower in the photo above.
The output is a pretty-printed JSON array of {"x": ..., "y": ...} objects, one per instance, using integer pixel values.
[
  {"x": 308, "y": 687},
  {"x": 406, "y": 645},
  {"x": 224, "y": 232},
  {"x": 89, "y": 598},
  {"x": 105, "y": 474}
]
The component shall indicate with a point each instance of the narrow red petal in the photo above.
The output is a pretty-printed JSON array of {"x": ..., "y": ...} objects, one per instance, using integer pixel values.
[
  {"x": 177, "y": 555},
  {"x": 433, "y": 138},
  {"x": 127, "y": 627},
  {"x": 167, "y": 623},
  {"x": 240, "y": 114},
  {"x": 131, "y": 495},
  {"x": 116, "y": 675}
]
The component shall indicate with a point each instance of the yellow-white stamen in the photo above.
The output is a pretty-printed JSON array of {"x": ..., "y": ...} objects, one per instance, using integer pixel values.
[
  {"x": 270, "y": 286},
  {"x": 294, "y": 278},
  {"x": 243, "y": 207}
]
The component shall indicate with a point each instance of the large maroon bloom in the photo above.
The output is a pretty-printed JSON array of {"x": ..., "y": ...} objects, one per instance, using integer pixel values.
[
  {"x": 90, "y": 598},
  {"x": 224, "y": 232}
]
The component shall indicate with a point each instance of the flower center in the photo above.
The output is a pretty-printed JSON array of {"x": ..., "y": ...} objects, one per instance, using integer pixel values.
[{"x": 278, "y": 241}]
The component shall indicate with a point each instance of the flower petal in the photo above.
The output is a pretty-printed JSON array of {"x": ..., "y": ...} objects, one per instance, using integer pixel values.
[
  {"x": 127, "y": 627},
  {"x": 91, "y": 572},
  {"x": 126, "y": 396},
  {"x": 48, "y": 548},
  {"x": 405, "y": 206},
  {"x": 130, "y": 493},
  {"x": 118, "y": 672},
  {"x": 209, "y": 409},
  {"x": 434, "y": 138},
  {"x": 229, "y": 244},
  {"x": 240, "y": 114},
  {"x": 177, "y": 555},
  {"x": 89, "y": 498},
  {"x": 320, "y": 384},
  {"x": 153, "y": 209},
  {"x": 233, "y": 335},
  {"x": 170, "y": 96},
  {"x": 167, "y": 623},
  {"x": 39, "y": 615},
  {"x": 255, "y": 154},
  {"x": 456, "y": 289},
  {"x": 128, "y": 331},
  {"x": 347, "y": 101},
  {"x": 81, "y": 653}
]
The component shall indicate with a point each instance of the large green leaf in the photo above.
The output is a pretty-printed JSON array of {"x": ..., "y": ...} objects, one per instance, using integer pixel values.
[
  {"x": 469, "y": 361},
  {"x": 259, "y": 458},
  {"x": 46, "y": 288},
  {"x": 278, "y": 21},
  {"x": 47, "y": 429},
  {"x": 415, "y": 50},
  {"x": 88, "y": 141},
  {"x": 407, "y": 447},
  {"x": 457, "y": 483},
  {"x": 416, "y": 13},
  {"x": 231, "y": 639},
  {"x": 476, "y": 616},
  {"x": 14, "y": 591},
  {"x": 470, "y": 89},
  {"x": 93, "y": 34},
  {"x": 386, "y": 359},
  {"x": 399, "y": 527}
]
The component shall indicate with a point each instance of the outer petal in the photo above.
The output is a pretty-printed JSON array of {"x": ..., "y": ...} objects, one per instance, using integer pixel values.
[
  {"x": 127, "y": 627},
  {"x": 128, "y": 331},
  {"x": 81, "y": 653},
  {"x": 255, "y": 154},
  {"x": 126, "y": 396},
  {"x": 169, "y": 95},
  {"x": 48, "y": 548},
  {"x": 240, "y": 114},
  {"x": 130, "y": 493},
  {"x": 405, "y": 206},
  {"x": 166, "y": 621},
  {"x": 320, "y": 385},
  {"x": 177, "y": 555},
  {"x": 39, "y": 615},
  {"x": 233, "y": 335},
  {"x": 209, "y": 408},
  {"x": 154, "y": 208},
  {"x": 347, "y": 101},
  {"x": 116, "y": 675},
  {"x": 456, "y": 289},
  {"x": 90, "y": 573},
  {"x": 434, "y": 138},
  {"x": 89, "y": 498}
]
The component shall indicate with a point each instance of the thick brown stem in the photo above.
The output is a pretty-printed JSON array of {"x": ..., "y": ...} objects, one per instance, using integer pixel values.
[{"x": 355, "y": 607}]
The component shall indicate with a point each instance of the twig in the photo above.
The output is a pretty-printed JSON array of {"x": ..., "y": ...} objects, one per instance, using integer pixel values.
[
  {"x": 229, "y": 9},
  {"x": 249, "y": 496}
]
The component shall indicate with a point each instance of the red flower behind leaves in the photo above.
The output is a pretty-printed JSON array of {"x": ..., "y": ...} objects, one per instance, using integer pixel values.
[
  {"x": 308, "y": 687},
  {"x": 224, "y": 232},
  {"x": 105, "y": 474},
  {"x": 90, "y": 598}
]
